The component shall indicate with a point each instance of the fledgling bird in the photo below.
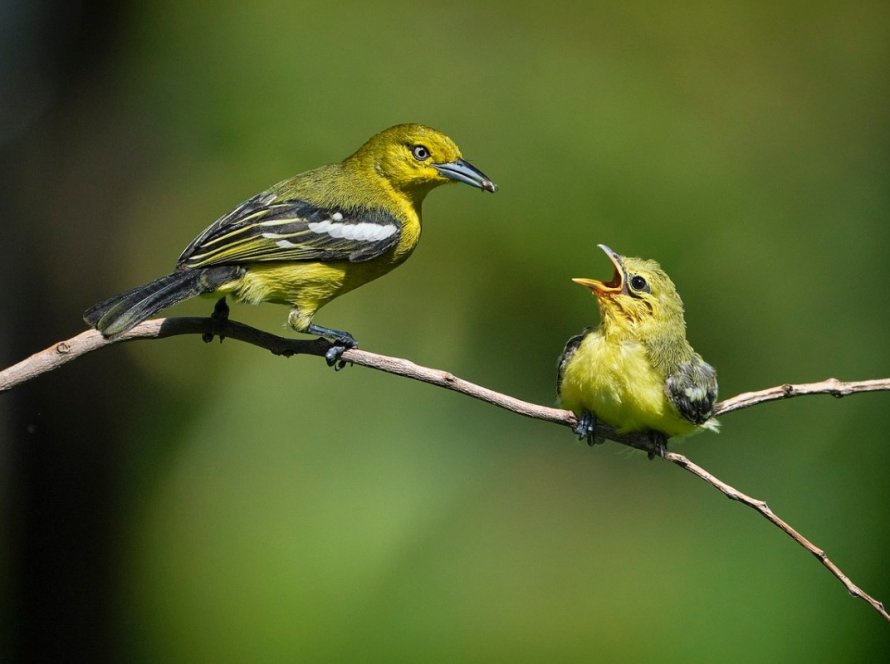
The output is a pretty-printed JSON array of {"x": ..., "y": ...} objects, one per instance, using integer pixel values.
[
  {"x": 636, "y": 371},
  {"x": 310, "y": 238}
]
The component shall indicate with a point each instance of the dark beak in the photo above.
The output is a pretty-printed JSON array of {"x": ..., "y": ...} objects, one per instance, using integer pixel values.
[{"x": 464, "y": 171}]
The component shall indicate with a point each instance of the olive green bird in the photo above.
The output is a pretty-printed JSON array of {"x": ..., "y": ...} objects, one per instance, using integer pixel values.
[
  {"x": 636, "y": 371},
  {"x": 310, "y": 238}
]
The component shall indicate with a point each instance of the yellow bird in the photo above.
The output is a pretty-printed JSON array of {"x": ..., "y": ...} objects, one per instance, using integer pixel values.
[
  {"x": 310, "y": 238},
  {"x": 636, "y": 371}
]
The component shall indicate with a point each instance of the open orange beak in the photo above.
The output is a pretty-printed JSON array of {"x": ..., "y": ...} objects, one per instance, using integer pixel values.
[{"x": 615, "y": 285}]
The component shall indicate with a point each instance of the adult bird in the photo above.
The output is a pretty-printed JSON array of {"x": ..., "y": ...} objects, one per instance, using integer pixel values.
[
  {"x": 310, "y": 238},
  {"x": 636, "y": 371}
]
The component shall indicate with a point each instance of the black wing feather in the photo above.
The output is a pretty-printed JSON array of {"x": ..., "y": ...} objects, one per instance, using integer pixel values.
[
  {"x": 567, "y": 353},
  {"x": 264, "y": 229},
  {"x": 692, "y": 388}
]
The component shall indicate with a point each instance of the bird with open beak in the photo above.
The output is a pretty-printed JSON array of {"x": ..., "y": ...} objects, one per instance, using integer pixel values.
[{"x": 636, "y": 371}]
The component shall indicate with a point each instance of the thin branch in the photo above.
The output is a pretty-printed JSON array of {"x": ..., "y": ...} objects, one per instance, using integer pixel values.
[
  {"x": 764, "y": 509},
  {"x": 65, "y": 351},
  {"x": 832, "y": 386}
]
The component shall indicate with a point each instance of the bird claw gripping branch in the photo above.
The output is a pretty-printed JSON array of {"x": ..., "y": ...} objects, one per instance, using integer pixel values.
[
  {"x": 586, "y": 429},
  {"x": 219, "y": 316}
]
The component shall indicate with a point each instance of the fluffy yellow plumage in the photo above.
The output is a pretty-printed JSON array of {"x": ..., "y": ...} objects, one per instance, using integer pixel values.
[
  {"x": 637, "y": 371},
  {"x": 310, "y": 238}
]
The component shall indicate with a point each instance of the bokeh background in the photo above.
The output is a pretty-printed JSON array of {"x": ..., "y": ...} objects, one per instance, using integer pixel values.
[{"x": 181, "y": 502}]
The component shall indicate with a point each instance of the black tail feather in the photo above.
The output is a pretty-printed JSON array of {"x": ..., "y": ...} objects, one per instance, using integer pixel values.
[{"x": 116, "y": 315}]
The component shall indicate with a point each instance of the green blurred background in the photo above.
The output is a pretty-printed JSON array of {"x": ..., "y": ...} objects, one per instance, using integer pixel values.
[{"x": 181, "y": 502}]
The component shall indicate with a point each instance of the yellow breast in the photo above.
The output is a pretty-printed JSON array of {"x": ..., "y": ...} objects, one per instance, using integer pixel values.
[{"x": 615, "y": 381}]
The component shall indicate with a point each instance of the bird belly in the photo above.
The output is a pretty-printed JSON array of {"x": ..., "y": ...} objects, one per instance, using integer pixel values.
[
  {"x": 306, "y": 286},
  {"x": 617, "y": 382}
]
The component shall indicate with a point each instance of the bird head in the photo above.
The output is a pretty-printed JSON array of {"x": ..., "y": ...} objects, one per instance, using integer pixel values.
[
  {"x": 415, "y": 159},
  {"x": 639, "y": 299}
]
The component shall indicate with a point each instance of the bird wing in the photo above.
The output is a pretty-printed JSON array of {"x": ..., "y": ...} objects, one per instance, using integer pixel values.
[
  {"x": 264, "y": 229},
  {"x": 566, "y": 357},
  {"x": 692, "y": 388}
]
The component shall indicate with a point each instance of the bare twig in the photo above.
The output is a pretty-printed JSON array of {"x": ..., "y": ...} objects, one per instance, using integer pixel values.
[
  {"x": 764, "y": 509},
  {"x": 63, "y": 352},
  {"x": 832, "y": 386}
]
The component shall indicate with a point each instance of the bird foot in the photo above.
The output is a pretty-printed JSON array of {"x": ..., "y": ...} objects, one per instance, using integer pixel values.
[
  {"x": 340, "y": 343},
  {"x": 220, "y": 315},
  {"x": 332, "y": 356},
  {"x": 586, "y": 428},
  {"x": 657, "y": 445}
]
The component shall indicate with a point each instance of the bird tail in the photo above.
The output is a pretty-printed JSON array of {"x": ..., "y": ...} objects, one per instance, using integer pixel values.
[{"x": 118, "y": 314}]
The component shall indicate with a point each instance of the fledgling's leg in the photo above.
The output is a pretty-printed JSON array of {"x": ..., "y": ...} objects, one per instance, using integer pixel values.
[
  {"x": 657, "y": 444},
  {"x": 586, "y": 428}
]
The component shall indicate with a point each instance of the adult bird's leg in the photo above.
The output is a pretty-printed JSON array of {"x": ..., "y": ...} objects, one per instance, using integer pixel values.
[
  {"x": 220, "y": 315},
  {"x": 586, "y": 428},
  {"x": 340, "y": 343}
]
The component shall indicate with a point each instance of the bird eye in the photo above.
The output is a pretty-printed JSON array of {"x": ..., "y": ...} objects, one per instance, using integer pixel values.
[
  {"x": 420, "y": 153},
  {"x": 638, "y": 283}
]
